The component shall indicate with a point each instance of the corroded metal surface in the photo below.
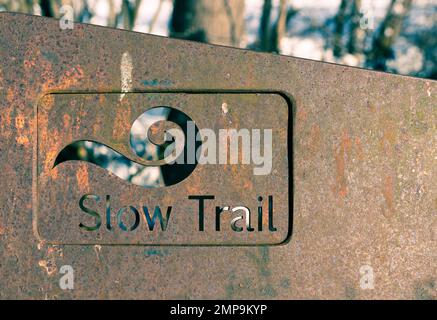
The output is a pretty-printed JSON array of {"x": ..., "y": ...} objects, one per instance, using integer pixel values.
[
  {"x": 63, "y": 118},
  {"x": 364, "y": 178}
]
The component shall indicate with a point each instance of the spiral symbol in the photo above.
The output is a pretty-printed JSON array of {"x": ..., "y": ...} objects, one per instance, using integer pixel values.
[{"x": 159, "y": 159}]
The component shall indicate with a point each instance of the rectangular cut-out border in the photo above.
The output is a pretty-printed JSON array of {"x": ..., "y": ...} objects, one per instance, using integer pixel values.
[{"x": 290, "y": 156}]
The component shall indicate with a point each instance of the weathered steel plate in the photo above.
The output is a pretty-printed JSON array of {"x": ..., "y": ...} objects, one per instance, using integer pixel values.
[
  {"x": 363, "y": 184},
  {"x": 105, "y": 118}
]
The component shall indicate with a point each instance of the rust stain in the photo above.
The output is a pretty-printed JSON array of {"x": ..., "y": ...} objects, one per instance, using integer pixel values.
[
  {"x": 28, "y": 64},
  {"x": 102, "y": 99},
  {"x": 71, "y": 77},
  {"x": 55, "y": 250},
  {"x": 67, "y": 80},
  {"x": 388, "y": 193},
  {"x": 315, "y": 136},
  {"x": 10, "y": 95},
  {"x": 5, "y": 115},
  {"x": 52, "y": 152},
  {"x": 340, "y": 154},
  {"x": 47, "y": 102},
  {"x": 248, "y": 185},
  {"x": 23, "y": 140},
  {"x": 82, "y": 177},
  {"x": 121, "y": 122},
  {"x": 19, "y": 121},
  {"x": 49, "y": 262},
  {"x": 238, "y": 172},
  {"x": 66, "y": 120},
  {"x": 5, "y": 119},
  {"x": 48, "y": 265},
  {"x": 359, "y": 149},
  {"x": 22, "y": 133},
  {"x": 34, "y": 59},
  {"x": 311, "y": 146},
  {"x": 301, "y": 115},
  {"x": 50, "y": 159},
  {"x": 195, "y": 184},
  {"x": 389, "y": 135},
  {"x": 97, "y": 127}
]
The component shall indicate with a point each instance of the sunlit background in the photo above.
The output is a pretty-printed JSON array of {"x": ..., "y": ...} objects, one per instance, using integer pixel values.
[{"x": 397, "y": 36}]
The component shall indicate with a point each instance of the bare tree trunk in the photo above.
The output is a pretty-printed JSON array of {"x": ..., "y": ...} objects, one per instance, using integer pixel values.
[
  {"x": 340, "y": 20},
  {"x": 129, "y": 12},
  {"x": 356, "y": 34},
  {"x": 112, "y": 15},
  {"x": 388, "y": 32},
  {"x": 269, "y": 37},
  {"x": 348, "y": 36},
  {"x": 47, "y": 8},
  {"x": 279, "y": 27},
  {"x": 264, "y": 28},
  {"x": 212, "y": 21},
  {"x": 84, "y": 15}
]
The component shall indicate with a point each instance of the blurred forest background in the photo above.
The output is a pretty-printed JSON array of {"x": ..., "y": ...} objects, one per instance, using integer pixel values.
[
  {"x": 391, "y": 35},
  {"x": 397, "y": 36}
]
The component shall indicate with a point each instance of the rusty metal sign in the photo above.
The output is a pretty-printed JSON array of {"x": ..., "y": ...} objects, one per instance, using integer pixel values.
[
  {"x": 196, "y": 206},
  {"x": 331, "y": 193}
]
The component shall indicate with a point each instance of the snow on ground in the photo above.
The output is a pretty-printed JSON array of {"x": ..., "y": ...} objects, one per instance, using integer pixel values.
[{"x": 301, "y": 42}]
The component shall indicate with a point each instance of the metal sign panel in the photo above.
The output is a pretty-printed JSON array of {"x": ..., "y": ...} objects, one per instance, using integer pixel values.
[
  {"x": 115, "y": 196},
  {"x": 353, "y": 171}
]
